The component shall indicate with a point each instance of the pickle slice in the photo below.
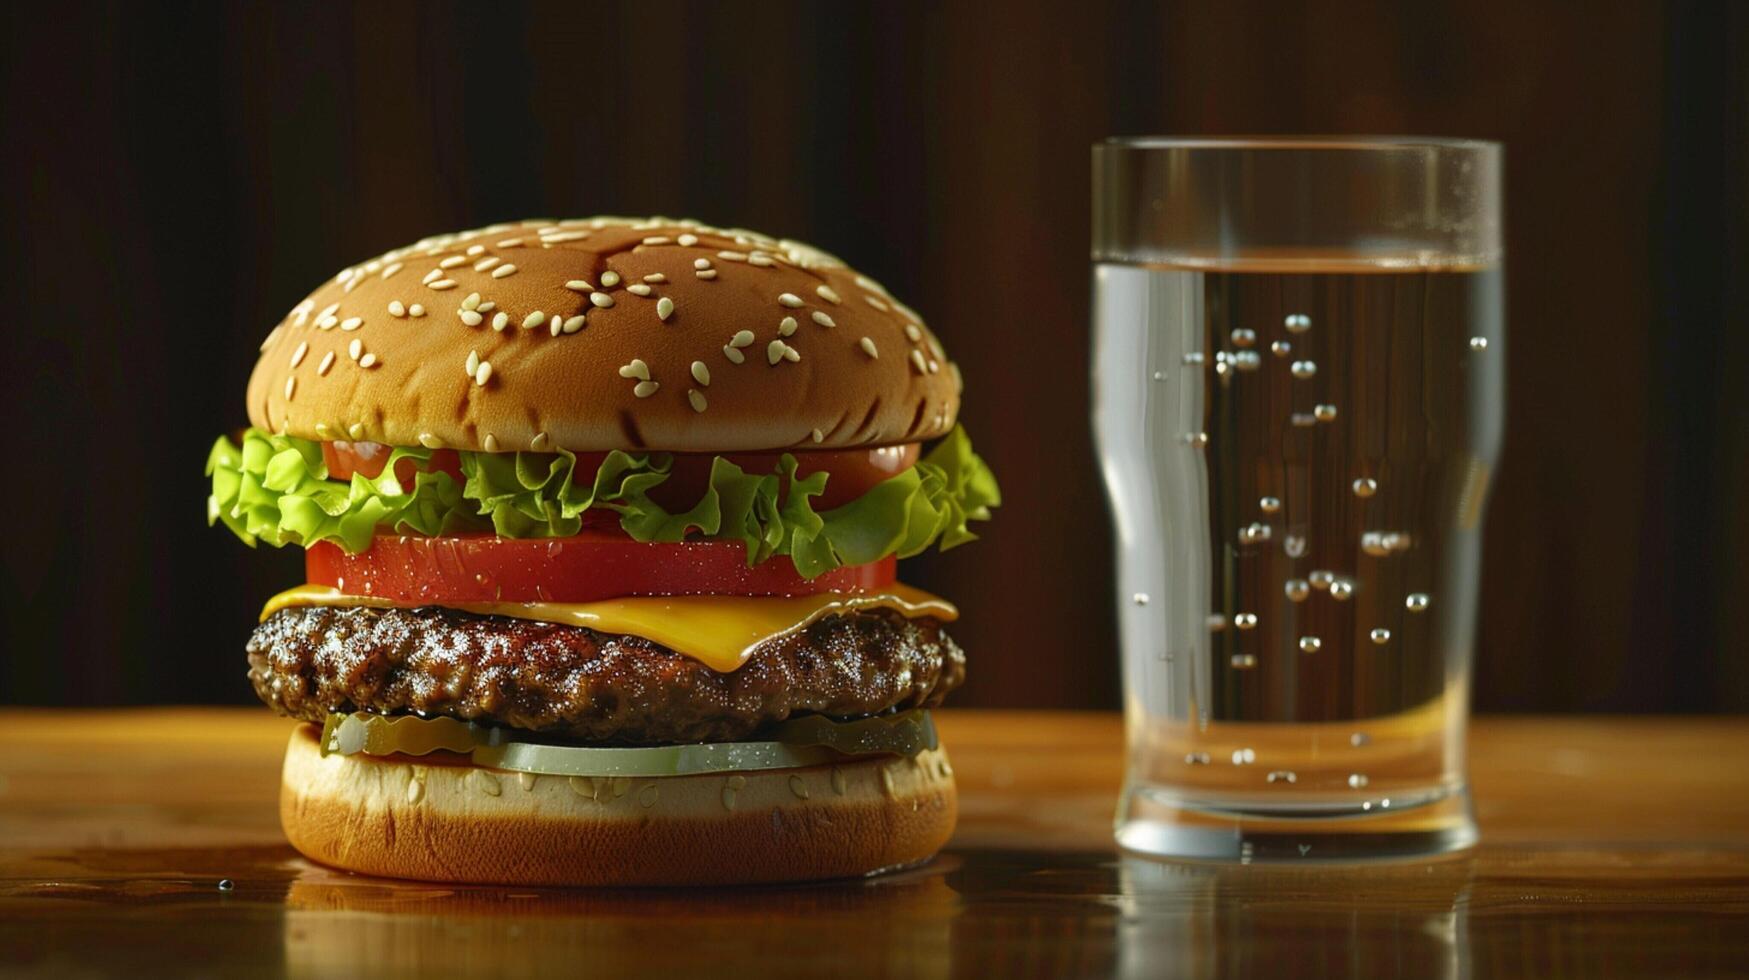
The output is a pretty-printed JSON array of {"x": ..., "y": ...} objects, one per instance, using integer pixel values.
[{"x": 809, "y": 741}]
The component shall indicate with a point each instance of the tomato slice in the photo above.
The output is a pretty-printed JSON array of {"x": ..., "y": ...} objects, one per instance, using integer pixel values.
[
  {"x": 587, "y": 567},
  {"x": 850, "y": 472}
]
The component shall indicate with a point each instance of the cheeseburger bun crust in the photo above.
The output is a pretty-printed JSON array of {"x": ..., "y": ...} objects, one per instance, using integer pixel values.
[
  {"x": 691, "y": 339},
  {"x": 404, "y": 818}
]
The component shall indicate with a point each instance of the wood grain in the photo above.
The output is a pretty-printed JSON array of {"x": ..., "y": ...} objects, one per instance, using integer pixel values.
[{"x": 1610, "y": 846}]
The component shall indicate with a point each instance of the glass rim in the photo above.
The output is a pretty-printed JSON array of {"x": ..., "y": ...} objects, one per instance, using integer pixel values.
[{"x": 1299, "y": 142}]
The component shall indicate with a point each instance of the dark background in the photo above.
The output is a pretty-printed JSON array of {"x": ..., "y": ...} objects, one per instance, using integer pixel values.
[{"x": 176, "y": 176}]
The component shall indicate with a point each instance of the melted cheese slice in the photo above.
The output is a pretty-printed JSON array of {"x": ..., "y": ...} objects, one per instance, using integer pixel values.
[{"x": 718, "y": 631}]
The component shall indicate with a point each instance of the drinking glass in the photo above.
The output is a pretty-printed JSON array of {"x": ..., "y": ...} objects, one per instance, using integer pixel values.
[{"x": 1298, "y": 403}]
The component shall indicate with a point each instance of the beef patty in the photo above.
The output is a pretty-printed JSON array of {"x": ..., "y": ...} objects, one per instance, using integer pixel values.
[{"x": 579, "y": 683}]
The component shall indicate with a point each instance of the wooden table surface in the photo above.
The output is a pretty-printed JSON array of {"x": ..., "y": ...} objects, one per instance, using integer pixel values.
[{"x": 1614, "y": 847}]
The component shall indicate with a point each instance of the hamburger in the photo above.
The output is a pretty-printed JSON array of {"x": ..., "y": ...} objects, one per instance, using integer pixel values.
[{"x": 600, "y": 521}]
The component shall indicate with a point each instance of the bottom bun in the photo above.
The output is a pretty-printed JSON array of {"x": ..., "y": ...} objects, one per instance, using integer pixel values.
[{"x": 422, "y": 818}]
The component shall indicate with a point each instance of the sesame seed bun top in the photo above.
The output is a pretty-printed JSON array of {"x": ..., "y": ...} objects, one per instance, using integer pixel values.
[{"x": 605, "y": 333}]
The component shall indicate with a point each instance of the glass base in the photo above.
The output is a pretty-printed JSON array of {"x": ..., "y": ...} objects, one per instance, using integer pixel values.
[{"x": 1155, "y": 821}]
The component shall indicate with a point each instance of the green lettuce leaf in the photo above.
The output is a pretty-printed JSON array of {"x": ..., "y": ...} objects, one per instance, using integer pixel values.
[{"x": 276, "y": 489}]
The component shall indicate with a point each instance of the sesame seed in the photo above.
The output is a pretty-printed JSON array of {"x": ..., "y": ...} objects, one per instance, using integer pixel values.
[
  {"x": 914, "y": 333},
  {"x": 328, "y": 311},
  {"x": 391, "y": 269},
  {"x": 446, "y": 283},
  {"x": 298, "y": 355},
  {"x": 696, "y": 398},
  {"x": 774, "y": 351},
  {"x": 472, "y": 302},
  {"x": 533, "y": 320},
  {"x": 322, "y": 429},
  {"x": 500, "y": 321},
  {"x": 645, "y": 389},
  {"x": 579, "y": 286},
  {"x": 354, "y": 349},
  {"x": 486, "y": 263},
  {"x": 539, "y": 442},
  {"x": 484, "y": 374},
  {"x": 688, "y": 240},
  {"x": 491, "y": 443},
  {"x": 636, "y": 369},
  {"x": 355, "y": 430},
  {"x": 877, "y": 304},
  {"x": 559, "y": 238},
  {"x": 469, "y": 317},
  {"x": 352, "y": 323},
  {"x": 417, "y": 309},
  {"x": 701, "y": 263},
  {"x": 327, "y": 322},
  {"x": 701, "y": 374},
  {"x": 786, "y": 326},
  {"x": 601, "y": 300},
  {"x": 917, "y": 362},
  {"x": 474, "y": 250},
  {"x": 732, "y": 354},
  {"x": 572, "y": 324},
  {"x": 706, "y": 274},
  {"x": 732, "y": 256},
  {"x": 430, "y": 441},
  {"x": 507, "y": 269},
  {"x": 742, "y": 338},
  {"x": 556, "y": 325},
  {"x": 818, "y": 435},
  {"x": 868, "y": 347},
  {"x": 609, "y": 279},
  {"x": 657, "y": 240},
  {"x": 639, "y": 289},
  {"x": 655, "y": 277},
  {"x": 934, "y": 367},
  {"x": 452, "y": 262},
  {"x": 822, "y": 319},
  {"x": 397, "y": 308},
  {"x": 761, "y": 260},
  {"x": 473, "y": 362},
  {"x": 510, "y": 243},
  {"x": 487, "y": 307},
  {"x": 664, "y": 308},
  {"x": 791, "y": 354},
  {"x": 826, "y": 293},
  {"x": 432, "y": 276},
  {"x": 327, "y": 362},
  {"x": 790, "y": 300}
]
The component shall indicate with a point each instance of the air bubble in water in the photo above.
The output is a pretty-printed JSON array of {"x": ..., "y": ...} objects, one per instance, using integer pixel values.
[
  {"x": 1197, "y": 438},
  {"x": 1244, "y": 757},
  {"x": 1478, "y": 344},
  {"x": 1159, "y": 375},
  {"x": 1281, "y": 348},
  {"x": 1324, "y": 413},
  {"x": 1416, "y": 602},
  {"x": 1243, "y": 661},
  {"x": 1269, "y": 505},
  {"x": 1303, "y": 369},
  {"x": 1253, "y": 533},
  {"x": 1373, "y": 543},
  {"x": 1296, "y": 589},
  {"x": 1297, "y": 323},
  {"x": 1196, "y": 759},
  {"x": 1303, "y": 420},
  {"x": 1282, "y": 776},
  {"x": 1294, "y": 545},
  {"x": 1244, "y": 338},
  {"x": 1359, "y": 739},
  {"x": 1216, "y": 622},
  {"x": 1366, "y": 486},
  {"x": 1247, "y": 360},
  {"x": 1357, "y": 781},
  {"x": 1381, "y": 636},
  {"x": 1140, "y": 598},
  {"x": 1341, "y": 589},
  {"x": 1321, "y": 579},
  {"x": 1194, "y": 357},
  {"x": 1310, "y": 644},
  {"x": 1396, "y": 541},
  {"x": 1245, "y": 620}
]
